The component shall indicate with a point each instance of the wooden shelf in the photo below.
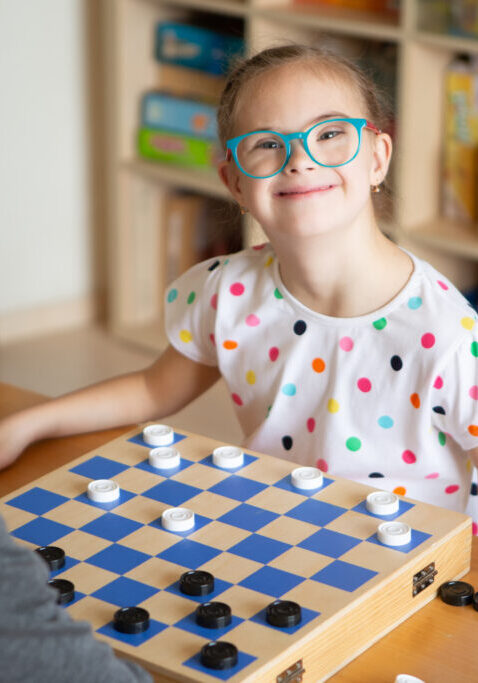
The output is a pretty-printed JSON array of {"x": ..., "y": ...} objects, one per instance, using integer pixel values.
[
  {"x": 344, "y": 21},
  {"x": 447, "y": 235},
  {"x": 446, "y": 42},
  {"x": 197, "y": 180},
  {"x": 237, "y": 8}
]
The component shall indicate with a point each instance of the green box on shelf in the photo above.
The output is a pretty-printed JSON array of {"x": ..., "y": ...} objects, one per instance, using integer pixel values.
[{"x": 168, "y": 147}]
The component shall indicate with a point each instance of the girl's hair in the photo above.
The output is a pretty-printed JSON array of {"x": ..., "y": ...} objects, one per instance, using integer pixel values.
[
  {"x": 332, "y": 64},
  {"x": 376, "y": 106}
]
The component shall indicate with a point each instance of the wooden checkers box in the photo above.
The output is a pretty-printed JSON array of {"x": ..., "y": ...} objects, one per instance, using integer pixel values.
[{"x": 261, "y": 539}]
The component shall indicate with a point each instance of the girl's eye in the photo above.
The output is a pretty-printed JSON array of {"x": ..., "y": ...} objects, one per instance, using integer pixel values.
[
  {"x": 329, "y": 134},
  {"x": 269, "y": 144}
]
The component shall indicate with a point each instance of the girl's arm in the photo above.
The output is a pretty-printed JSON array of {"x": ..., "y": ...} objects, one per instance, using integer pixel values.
[{"x": 161, "y": 389}]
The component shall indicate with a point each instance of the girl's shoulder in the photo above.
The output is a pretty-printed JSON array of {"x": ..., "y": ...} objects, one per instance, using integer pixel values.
[
  {"x": 446, "y": 320},
  {"x": 439, "y": 289}
]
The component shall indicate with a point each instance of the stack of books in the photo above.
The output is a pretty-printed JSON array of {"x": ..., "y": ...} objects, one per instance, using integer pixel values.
[
  {"x": 178, "y": 118},
  {"x": 195, "y": 228},
  {"x": 464, "y": 18},
  {"x": 458, "y": 18}
]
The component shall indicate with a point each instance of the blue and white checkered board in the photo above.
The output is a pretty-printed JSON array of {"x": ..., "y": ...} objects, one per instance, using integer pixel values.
[{"x": 260, "y": 537}]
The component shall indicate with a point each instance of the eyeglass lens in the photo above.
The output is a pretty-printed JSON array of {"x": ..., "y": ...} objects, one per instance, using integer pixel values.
[{"x": 329, "y": 143}]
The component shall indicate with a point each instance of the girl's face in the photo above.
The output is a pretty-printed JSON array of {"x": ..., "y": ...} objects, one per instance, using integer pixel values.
[{"x": 305, "y": 199}]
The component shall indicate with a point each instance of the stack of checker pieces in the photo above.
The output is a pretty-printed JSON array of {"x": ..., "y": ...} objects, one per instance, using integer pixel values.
[{"x": 260, "y": 537}]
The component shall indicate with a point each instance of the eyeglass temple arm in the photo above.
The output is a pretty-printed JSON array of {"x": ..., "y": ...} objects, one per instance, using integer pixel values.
[{"x": 370, "y": 126}]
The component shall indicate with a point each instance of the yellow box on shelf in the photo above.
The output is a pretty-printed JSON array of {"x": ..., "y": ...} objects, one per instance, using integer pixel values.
[
  {"x": 461, "y": 92},
  {"x": 460, "y": 168},
  {"x": 460, "y": 184}
]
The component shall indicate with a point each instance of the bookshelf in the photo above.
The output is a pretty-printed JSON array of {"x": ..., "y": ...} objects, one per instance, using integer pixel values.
[{"x": 138, "y": 189}]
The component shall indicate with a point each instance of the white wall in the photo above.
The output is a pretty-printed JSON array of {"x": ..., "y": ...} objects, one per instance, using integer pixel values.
[{"x": 45, "y": 251}]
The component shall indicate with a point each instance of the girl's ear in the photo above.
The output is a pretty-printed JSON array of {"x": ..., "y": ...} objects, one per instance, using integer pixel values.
[
  {"x": 230, "y": 177},
  {"x": 382, "y": 155}
]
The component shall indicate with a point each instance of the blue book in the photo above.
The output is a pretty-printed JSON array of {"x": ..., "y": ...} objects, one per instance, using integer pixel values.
[
  {"x": 162, "y": 111},
  {"x": 196, "y": 48}
]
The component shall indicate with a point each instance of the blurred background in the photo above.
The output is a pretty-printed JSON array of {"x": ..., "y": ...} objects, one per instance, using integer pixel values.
[
  {"x": 108, "y": 145},
  {"x": 52, "y": 187},
  {"x": 54, "y": 334},
  {"x": 50, "y": 242}
]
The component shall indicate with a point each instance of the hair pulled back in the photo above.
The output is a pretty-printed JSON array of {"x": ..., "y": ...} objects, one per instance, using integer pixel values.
[{"x": 328, "y": 62}]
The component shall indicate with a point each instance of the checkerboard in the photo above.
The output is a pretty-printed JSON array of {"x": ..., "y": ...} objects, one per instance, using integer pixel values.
[{"x": 261, "y": 538}]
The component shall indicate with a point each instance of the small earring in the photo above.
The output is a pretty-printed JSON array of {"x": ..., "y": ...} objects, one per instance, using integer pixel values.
[
  {"x": 375, "y": 188},
  {"x": 243, "y": 210}
]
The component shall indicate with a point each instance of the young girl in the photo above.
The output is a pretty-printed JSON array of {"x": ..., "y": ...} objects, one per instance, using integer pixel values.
[{"x": 339, "y": 348}]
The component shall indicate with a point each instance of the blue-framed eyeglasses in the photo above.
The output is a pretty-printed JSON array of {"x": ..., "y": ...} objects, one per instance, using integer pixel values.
[{"x": 331, "y": 143}]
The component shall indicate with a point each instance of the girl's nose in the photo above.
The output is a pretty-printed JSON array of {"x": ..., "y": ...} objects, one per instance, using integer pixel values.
[{"x": 299, "y": 160}]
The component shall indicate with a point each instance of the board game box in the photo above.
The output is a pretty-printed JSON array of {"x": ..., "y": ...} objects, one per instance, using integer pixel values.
[
  {"x": 196, "y": 47},
  {"x": 260, "y": 537},
  {"x": 177, "y": 148},
  {"x": 160, "y": 110}
]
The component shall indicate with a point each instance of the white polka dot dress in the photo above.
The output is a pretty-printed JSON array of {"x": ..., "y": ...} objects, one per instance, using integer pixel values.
[{"x": 389, "y": 398}]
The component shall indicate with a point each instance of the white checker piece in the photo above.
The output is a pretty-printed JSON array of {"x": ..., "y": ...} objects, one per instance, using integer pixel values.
[
  {"x": 164, "y": 458},
  {"x": 306, "y": 478},
  {"x": 178, "y": 519},
  {"x": 382, "y": 503},
  {"x": 158, "y": 435},
  {"x": 394, "y": 533},
  {"x": 228, "y": 457},
  {"x": 103, "y": 491}
]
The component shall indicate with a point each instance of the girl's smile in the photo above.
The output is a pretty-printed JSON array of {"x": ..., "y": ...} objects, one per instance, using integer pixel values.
[{"x": 303, "y": 191}]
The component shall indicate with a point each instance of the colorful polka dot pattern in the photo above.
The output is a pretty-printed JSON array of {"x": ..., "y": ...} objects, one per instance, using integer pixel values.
[
  {"x": 289, "y": 389},
  {"x": 273, "y": 353},
  {"x": 353, "y": 443},
  {"x": 360, "y": 384},
  {"x": 318, "y": 365},
  {"x": 414, "y": 303},
  {"x": 185, "y": 336},
  {"x": 385, "y": 421},
  {"x": 333, "y": 406},
  {"x": 237, "y": 289},
  {"x": 287, "y": 442},
  {"x": 364, "y": 384},
  {"x": 415, "y": 400},
  {"x": 252, "y": 320},
  {"x": 346, "y": 344}
]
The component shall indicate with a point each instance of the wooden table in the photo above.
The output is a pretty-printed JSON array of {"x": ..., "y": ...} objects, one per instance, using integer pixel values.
[{"x": 438, "y": 644}]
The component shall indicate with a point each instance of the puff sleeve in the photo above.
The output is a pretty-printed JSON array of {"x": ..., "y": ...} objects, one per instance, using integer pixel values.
[
  {"x": 455, "y": 394},
  {"x": 191, "y": 309}
]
